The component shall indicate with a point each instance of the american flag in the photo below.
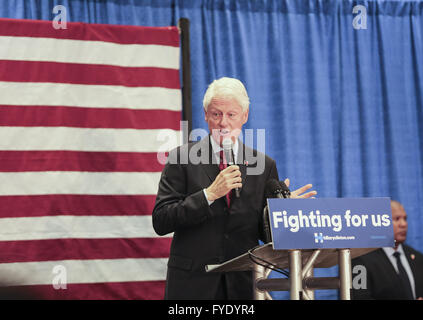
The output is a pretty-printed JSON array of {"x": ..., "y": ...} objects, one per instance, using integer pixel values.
[{"x": 83, "y": 112}]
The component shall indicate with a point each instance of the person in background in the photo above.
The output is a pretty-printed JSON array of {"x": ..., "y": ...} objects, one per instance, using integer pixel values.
[{"x": 392, "y": 273}]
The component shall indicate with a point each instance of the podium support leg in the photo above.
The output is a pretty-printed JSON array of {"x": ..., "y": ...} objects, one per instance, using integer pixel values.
[
  {"x": 345, "y": 276},
  {"x": 295, "y": 274},
  {"x": 309, "y": 293},
  {"x": 259, "y": 273}
]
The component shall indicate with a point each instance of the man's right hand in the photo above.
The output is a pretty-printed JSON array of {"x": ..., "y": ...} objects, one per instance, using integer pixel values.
[{"x": 226, "y": 180}]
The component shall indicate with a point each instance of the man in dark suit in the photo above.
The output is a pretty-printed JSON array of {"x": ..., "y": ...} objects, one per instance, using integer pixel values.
[
  {"x": 392, "y": 273},
  {"x": 195, "y": 201}
]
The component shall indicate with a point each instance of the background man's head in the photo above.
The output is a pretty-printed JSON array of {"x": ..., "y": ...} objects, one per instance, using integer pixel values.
[
  {"x": 226, "y": 105},
  {"x": 399, "y": 220}
]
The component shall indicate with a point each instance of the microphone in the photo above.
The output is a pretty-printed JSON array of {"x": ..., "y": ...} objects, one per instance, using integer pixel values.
[
  {"x": 227, "y": 145},
  {"x": 285, "y": 190},
  {"x": 273, "y": 189}
]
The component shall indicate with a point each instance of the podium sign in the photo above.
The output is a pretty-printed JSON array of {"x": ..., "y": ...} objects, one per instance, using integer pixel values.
[{"x": 331, "y": 223}]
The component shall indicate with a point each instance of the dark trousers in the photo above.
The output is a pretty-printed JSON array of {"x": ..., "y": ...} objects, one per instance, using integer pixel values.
[{"x": 222, "y": 292}]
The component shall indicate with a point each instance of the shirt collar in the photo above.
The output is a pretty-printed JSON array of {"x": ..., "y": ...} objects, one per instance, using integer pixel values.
[
  {"x": 217, "y": 148},
  {"x": 390, "y": 251}
]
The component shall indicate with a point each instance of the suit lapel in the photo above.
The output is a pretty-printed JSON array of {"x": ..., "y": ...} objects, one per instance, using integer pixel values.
[
  {"x": 411, "y": 260},
  {"x": 388, "y": 264},
  {"x": 212, "y": 170},
  {"x": 209, "y": 166},
  {"x": 390, "y": 273}
]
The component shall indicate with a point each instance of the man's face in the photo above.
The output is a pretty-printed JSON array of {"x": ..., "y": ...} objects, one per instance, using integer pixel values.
[
  {"x": 399, "y": 219},
  {"x": 225, "y": 118}
]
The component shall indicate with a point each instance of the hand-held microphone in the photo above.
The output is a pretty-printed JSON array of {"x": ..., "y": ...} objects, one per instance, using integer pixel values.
[{"x": 227, "y": 145}]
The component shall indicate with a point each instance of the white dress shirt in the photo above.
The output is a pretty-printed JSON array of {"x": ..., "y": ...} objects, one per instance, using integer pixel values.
[{"x": 390, "y": 253}]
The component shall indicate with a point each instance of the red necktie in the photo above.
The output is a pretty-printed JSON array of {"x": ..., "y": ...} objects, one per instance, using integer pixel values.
[{"x": 223, "y": 165}]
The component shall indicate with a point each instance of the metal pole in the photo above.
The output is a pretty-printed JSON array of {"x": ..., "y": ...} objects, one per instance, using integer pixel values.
[
  {"x": 308, "y": 292},
  {"x": 321, "y": 283},
  {"x": 275, "y": 284},
  {"x": 183, "y": 25},
  {"x": 309, "y": 283},
  {"x": 308, "y": 272},
  {"x": 345, "y": 276},
  {"x": 259, "y": 273},
  {"x": 310, "y": 262},
  {"x": 295, "y": 274}
]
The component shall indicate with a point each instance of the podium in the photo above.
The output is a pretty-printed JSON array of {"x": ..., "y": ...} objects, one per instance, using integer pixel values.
[
  {"x": 314, "y": 233},
  {"x": 300, "y": 263}
]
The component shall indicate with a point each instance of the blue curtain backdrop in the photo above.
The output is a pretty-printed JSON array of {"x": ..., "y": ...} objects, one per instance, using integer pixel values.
[{"x": 342, "y": 108}]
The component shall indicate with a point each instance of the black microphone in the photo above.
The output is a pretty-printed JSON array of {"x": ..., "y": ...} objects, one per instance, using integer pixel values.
[
  {"x": 285, "y": 190},
  {"x": 273, "y": 189},
  {"x": 229, "y": 155}
]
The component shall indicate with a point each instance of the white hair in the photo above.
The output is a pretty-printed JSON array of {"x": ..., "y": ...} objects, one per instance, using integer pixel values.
[{"x": 227, "y": 88}]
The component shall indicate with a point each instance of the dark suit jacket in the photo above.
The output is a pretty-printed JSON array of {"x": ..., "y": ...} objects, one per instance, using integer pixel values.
[
  {"x": 206, "y": 234},
  {"x": 383, "y": 283}
]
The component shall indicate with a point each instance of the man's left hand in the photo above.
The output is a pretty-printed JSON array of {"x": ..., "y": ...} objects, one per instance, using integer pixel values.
[{"x": 300, "y": 192}]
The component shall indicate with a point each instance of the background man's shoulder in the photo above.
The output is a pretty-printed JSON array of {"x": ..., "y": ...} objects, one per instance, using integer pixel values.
[{"x": 411, "y": 251}]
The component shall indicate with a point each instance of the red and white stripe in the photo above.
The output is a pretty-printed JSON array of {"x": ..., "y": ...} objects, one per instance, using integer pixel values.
[{"x": 84, "y": 112}]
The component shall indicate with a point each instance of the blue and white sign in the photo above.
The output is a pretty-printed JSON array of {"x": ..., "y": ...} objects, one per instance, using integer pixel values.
[{"x": 331, "y": 223}]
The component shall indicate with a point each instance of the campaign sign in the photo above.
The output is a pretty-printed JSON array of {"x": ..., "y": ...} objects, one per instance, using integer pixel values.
[{"x": 331, "y": 223}]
